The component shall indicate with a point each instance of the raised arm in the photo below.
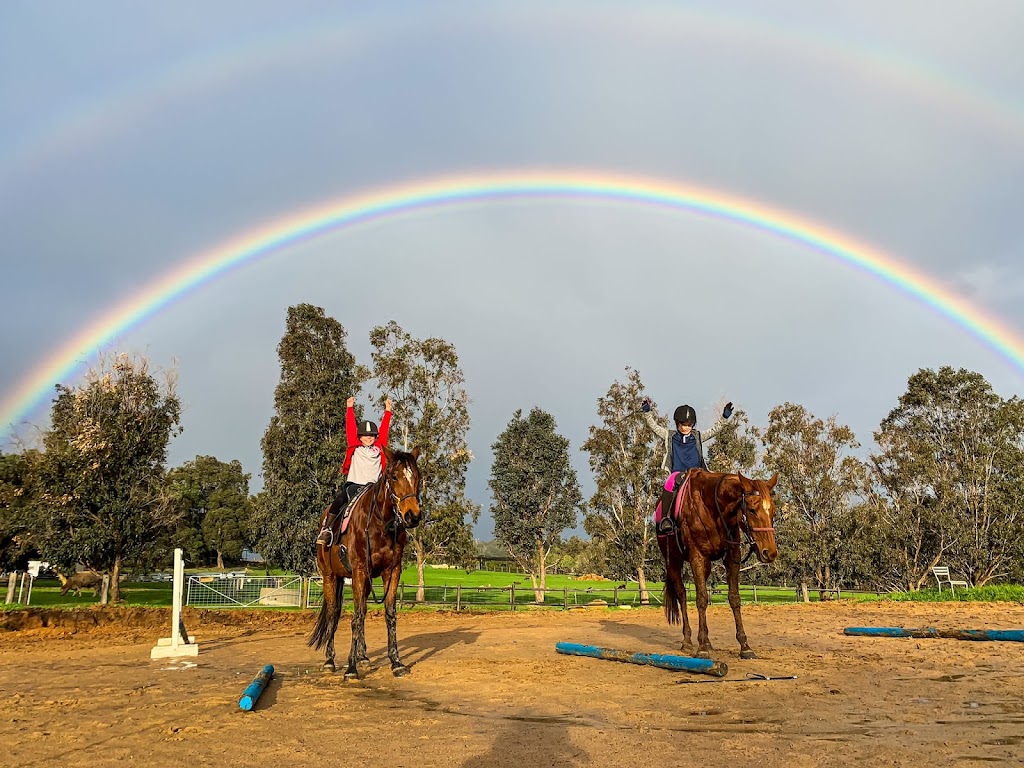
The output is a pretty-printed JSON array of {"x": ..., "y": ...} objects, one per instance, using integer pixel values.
[
  {"x": 351, "y": 430},
  {"x": 709, "y": 434},
  {"x": 385, "y": 425},
  {"x": 659, "y": 429}
]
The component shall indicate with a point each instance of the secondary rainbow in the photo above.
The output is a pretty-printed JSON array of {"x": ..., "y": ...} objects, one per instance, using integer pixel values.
[
  {"x": 142, "y": 95},
  {"x": 461, "y": 190}
]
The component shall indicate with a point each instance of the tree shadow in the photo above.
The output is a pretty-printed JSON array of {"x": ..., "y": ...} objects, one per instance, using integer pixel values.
[
  {"x": 528, "y": 742},
  {"x": 417, "y": 648}
]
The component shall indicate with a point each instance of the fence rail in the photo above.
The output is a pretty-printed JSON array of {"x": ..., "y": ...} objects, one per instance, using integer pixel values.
[{"x": 299, "y": 592}]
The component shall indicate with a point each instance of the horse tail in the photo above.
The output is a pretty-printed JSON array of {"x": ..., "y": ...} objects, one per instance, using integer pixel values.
[
  {"x": 671, "y": 600},
  {"x": 324, "y": 627}
]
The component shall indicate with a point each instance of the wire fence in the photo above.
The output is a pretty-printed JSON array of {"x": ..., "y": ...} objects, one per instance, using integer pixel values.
[
  {"x": 245, "y": 591},
  {"x": 460, "y": 597}
]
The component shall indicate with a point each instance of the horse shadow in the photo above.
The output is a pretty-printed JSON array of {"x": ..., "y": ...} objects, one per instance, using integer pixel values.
[
  {"x": 418, "y": 648},
  {"x": 656, "y": 637},
  {"x": 520, "y": 743}
]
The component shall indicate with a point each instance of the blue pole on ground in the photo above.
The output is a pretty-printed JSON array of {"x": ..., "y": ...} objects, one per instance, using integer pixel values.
[
  {"x": 251, "y": 694},
  {"x": 680, "y": 663},
  {"x": 1005, "y": 635}
]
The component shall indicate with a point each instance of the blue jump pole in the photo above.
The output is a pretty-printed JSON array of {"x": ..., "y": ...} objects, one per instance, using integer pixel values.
[
  {"x": 1006, "y": 635},
  {"x": 680, "y": 663},
  {"x": 255, "y": 689}
]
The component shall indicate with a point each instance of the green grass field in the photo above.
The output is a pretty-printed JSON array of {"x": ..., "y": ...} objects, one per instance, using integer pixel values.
[
  {"x": 443, "y": 586},
  {"x": 495, "y": 590}
]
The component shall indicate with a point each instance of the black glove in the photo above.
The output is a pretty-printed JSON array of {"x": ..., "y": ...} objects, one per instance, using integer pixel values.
[
  {"x": 727, "y": 411},
  {"x": 645, "y": 405}
]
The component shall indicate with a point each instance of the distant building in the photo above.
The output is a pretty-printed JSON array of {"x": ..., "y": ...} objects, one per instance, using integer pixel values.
[
  {"x": 248, "y": 556},
  {"x": 492, "y": 556}
]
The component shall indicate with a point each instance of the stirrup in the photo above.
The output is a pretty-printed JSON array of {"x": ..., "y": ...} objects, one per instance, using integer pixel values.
[
  {"x": 666, "y": 526},
  {"x": 326, "y": 537}
]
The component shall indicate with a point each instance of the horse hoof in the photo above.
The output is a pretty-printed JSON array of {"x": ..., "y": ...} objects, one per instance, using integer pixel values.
[
  {"x": 748, "y": 654},
  {"x": 400, "y": 670},
  {"x": 351, "y": 674},
  {"x": 702, "y": 654},
  {"x": 329, "y": 666}
]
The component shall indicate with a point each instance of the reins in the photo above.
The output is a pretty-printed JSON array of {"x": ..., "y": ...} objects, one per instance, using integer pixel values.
[
  {"x": 397, "y": 524},
  {"x": 743, "y": 523}
]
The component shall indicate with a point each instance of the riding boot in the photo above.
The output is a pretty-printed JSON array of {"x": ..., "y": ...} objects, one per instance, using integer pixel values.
[{"x": 666, "y": 525}]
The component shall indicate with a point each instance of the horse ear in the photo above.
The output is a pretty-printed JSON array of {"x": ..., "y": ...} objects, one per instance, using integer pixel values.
[
  {"x": 389, "y": 454},
  {"x": 773, "y": 481},
  {"x": 416, "y": 452}
]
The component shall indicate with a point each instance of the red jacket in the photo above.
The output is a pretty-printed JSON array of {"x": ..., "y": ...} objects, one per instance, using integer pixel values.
[{"x": 352, "y": 438}]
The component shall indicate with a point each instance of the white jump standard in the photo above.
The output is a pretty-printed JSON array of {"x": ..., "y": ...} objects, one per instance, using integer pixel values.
[{"x": 179, "y": 643}]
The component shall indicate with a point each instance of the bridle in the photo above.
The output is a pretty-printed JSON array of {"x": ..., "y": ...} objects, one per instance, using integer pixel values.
[
  {"x": 742, "y": 521},
  {"x": 395, "y": 525}
]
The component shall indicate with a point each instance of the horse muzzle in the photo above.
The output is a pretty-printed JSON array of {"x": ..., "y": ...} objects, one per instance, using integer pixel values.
[
  {"x": 764, "y": 545},
  {"x": 411, "y": 518}
]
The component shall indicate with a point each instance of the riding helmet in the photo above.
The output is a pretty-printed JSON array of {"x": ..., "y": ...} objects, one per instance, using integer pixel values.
[
  {"x": 367, "y": 428},
  {"x": 685, "y": 415}
]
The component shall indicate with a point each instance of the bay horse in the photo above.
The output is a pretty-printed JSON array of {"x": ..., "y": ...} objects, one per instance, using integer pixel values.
[
  {"x": 713, "y": 512},
  {"x": 375, "y": 537}
]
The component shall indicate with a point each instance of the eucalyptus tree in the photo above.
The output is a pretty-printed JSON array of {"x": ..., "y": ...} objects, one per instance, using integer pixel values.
[
  {"x": 304, "y": 444},
  {"x": 100, "y": 498},
  {"x": 214, "y": 510},
  {"x": 820, "y": 482},
  {"x": 950, "y": 473},
  {"x": 536, "y": 495},
  {"x": 430, "y": 410},
  {"x": 625, "y": 458}
]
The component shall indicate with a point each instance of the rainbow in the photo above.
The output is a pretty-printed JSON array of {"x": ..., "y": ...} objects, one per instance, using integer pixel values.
[{"x": 448, "y": 191}]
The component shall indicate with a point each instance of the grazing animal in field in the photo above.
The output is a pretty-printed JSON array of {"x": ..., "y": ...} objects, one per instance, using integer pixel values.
[
  {"x": 713, "y": 513},
  {"x": 78, "y": 582},
  {"x": 375, "y": 539}
]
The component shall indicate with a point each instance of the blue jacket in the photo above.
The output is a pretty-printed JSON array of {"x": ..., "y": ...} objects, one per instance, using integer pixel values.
[{"x": 686, "y": 452}]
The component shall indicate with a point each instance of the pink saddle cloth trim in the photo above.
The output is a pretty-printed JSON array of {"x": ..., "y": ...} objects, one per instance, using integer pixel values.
[
  {"x": 348, "y": 510},
  {"x": 678, "y": 498}
]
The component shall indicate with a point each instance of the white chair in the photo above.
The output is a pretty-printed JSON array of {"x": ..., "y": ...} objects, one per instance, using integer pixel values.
[{"x": 941, "y": 574}]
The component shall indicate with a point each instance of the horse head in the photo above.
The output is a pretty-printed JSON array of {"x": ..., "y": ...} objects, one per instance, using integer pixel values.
[
  {"x": 402, "y": 477},
  {"x": 757, "y": 515}
]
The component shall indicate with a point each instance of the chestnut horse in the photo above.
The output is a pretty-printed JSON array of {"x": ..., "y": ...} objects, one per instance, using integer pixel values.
[
  {"x": 713, "y": 512},
  {"x": 375, "y": 538}
]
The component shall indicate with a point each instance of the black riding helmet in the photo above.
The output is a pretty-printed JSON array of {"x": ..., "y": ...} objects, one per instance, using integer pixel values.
[
  {"x": 367, "y": 428},
  {"x": 685, "y": 415}
]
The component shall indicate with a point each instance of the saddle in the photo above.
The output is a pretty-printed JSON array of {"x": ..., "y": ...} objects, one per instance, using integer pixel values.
[
  {"x": 339, "y": 525},
  {"x": 665, "y": 523}
]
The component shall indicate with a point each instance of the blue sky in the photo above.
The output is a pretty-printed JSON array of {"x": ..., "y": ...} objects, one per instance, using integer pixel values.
[{"x": 133, "y": 137}]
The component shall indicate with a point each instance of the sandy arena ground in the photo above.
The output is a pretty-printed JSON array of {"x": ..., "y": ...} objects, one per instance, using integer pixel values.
[{"x": 489, "y": 690}]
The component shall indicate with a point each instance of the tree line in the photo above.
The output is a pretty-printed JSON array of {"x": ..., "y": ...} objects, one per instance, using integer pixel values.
[{"x": 940, "y": 484}]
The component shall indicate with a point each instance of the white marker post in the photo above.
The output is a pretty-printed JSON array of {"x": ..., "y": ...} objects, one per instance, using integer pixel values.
[{"x": 178, "y": 644}]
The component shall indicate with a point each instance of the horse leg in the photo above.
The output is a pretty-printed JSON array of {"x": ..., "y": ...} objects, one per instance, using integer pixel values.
[
  {"x": 359, "y": 592},
  {"x": 699, "y": 566},
  {"x": 398, "y": 669},
  {"x": 674, "y": 574},
  {"x": 332, "y": 604},
  {"x": 687, "y": 638},
  {"x": 733, "y": 567}
]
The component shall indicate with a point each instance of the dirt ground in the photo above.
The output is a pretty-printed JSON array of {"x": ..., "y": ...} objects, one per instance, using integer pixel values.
[{"x": 489, "y": 690}]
